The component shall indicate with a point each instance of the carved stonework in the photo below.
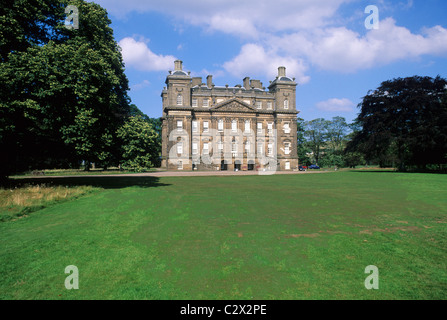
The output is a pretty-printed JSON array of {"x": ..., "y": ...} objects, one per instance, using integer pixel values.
[{"x": 233, "y": 105}]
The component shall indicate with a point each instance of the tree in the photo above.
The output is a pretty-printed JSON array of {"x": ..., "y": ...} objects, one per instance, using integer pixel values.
[
  {"x": 156, "y": 124},
  {"x": 404, "y": 120},
  {"x": 139, "y": 144},
  {"x": 65, "y": 91},
  {"x": 336, "y": 133},
  {"x": 316, "y": 134},
  {"x": 302, "y": 148}
]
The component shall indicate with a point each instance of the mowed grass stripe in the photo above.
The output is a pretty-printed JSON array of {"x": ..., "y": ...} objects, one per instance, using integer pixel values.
[{"x": 248, "y": 237}]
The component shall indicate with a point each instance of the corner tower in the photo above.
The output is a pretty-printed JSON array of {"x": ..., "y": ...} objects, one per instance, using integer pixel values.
[
  {"x": 284, "y": 89},
  {"x": 177, "y": 114}
]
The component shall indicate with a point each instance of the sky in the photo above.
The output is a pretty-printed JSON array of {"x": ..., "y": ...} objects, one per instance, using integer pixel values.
[{"x": 337, "y": 50}]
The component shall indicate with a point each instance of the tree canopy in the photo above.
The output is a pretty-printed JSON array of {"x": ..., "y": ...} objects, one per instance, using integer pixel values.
[
  {"x": 64, "y": 91},
  {"x": 404, "y": 121},
  {"x": 138, "y": 144}
]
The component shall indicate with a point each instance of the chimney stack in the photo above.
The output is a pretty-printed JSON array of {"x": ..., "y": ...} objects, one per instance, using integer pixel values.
[
  {"x": 281, "y": 72},
  {"x": 196, "y": 81},
  {"x": 247, "y": 83},
  {"x": 209, "y": 81},
  {"x": 178, "y": 65}
]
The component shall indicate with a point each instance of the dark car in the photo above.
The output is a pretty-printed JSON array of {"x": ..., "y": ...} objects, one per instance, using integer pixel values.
[
  {"x": 314, "y": 166},
  {"x": 302, "y": 168}
]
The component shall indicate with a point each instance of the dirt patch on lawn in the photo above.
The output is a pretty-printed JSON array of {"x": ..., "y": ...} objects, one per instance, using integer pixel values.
[
  {"x": 312, "y": 235},
  {"x": 390, "y": 230}
]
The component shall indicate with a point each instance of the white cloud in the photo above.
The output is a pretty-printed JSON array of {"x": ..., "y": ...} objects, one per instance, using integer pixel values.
[
  {"x": 141, "y": 85},
  {"x": 343, "y": 50},
  {"x": 254, "y": 60},
  {"x": 137, "y": 54},
  {"x": 336, "y": 105},
  {"x": 234, "y": 16},
  {"x": 294, "y": 33}
]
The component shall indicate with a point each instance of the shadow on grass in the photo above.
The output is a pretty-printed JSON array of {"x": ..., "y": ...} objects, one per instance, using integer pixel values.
[
  {"x": 395, "y": 171},
  {"x": 97, "y": 181}
]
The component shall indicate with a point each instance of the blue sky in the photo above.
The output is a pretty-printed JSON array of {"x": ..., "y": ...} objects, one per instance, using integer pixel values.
[{"x": 324, "y": 44}]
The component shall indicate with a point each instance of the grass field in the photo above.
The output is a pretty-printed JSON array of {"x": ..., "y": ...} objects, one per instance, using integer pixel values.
[{"x": 304, "y": 236}]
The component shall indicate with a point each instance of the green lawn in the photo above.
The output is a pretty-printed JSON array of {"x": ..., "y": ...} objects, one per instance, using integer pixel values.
[{"x": 304, "y": 236}]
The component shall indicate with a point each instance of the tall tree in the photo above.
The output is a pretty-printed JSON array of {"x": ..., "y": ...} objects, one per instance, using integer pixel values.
[
  {"x": 156, "y": 124},
  {"x": 138, "y": 143},
  {"x": 405, "y": 117},
  {"x": 65, "y": 91},
  {"x": 316, "y": 134},
  {"x": 302, "y": 148},
  {"x": 337, "y": 130}
]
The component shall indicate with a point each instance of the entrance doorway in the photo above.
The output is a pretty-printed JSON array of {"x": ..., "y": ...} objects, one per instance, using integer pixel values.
[
  {"x": 237, "y": 166},
  {"x": 223, "y": 166},
  {"x": 251, "y": 165}
]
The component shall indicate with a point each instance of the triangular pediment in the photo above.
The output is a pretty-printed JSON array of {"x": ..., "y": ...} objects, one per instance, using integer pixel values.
[{"x": 233, "y": 105}]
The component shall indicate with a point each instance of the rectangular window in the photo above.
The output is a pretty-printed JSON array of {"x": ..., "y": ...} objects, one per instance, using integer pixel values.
[
  {"x": 286, "y": 104},
  {"x": 286, "y": 128},
  {"x": 220, "y": 145},
  {"x": 269, "y": 106},
  {"x": 270, "y": 127},
  {"x": 179, "y": 125},
  {"x": 270, "y": 149},
  {"x": 180, "y": 148},
  {"x": 180, "y": 165},
  {"x": 234, "y": 148},
  {"x": 194, "y": 103},
  {"x": 206, "y": 103},
  {"x": 259, "y": 127},
  {"x": 287, "y": 165},
  {"x": 258, "y": 105},
  {"x": 260, "y": 148},
  {"x": 195, "y": 126},
  {"x": 220, "y": 125},
  {"x": 247, "y": 146},
  {"x": 234, "y": 126},
  {"x": 206, "y": 126},
  {"x": 206, "y": 149},
  {"x": 247, "y": 126},
  {"x": 195, "y": 148}
]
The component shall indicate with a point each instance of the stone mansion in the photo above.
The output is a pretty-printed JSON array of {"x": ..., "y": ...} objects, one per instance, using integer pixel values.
[{"x": 245, "y": 127}]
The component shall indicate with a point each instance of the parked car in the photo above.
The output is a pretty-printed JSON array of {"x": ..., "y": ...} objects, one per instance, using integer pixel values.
[
  {"x": 302, "y": 168},
  {"x": 314, "y": 166}
]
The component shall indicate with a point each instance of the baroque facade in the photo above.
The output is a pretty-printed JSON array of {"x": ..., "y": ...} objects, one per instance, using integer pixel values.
[{"x": 245, "y": 127}]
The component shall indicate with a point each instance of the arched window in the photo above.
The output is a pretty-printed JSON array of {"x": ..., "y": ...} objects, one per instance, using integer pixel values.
[{"x": 180, "y": 100}]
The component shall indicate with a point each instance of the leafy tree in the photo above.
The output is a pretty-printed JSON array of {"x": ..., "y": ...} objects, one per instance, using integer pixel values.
[
  {"x": 316, "y": 134},
  {"x": 353, "y": 159},
  {"x": 302, "y": 148},
  {"x": 139, "y": 144},
  {"x": 404, "y": 121},
  {"x": 156, "y": 124},
  {"x": 65, "y": 91},
  {"x": 336, "y": 133}
]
